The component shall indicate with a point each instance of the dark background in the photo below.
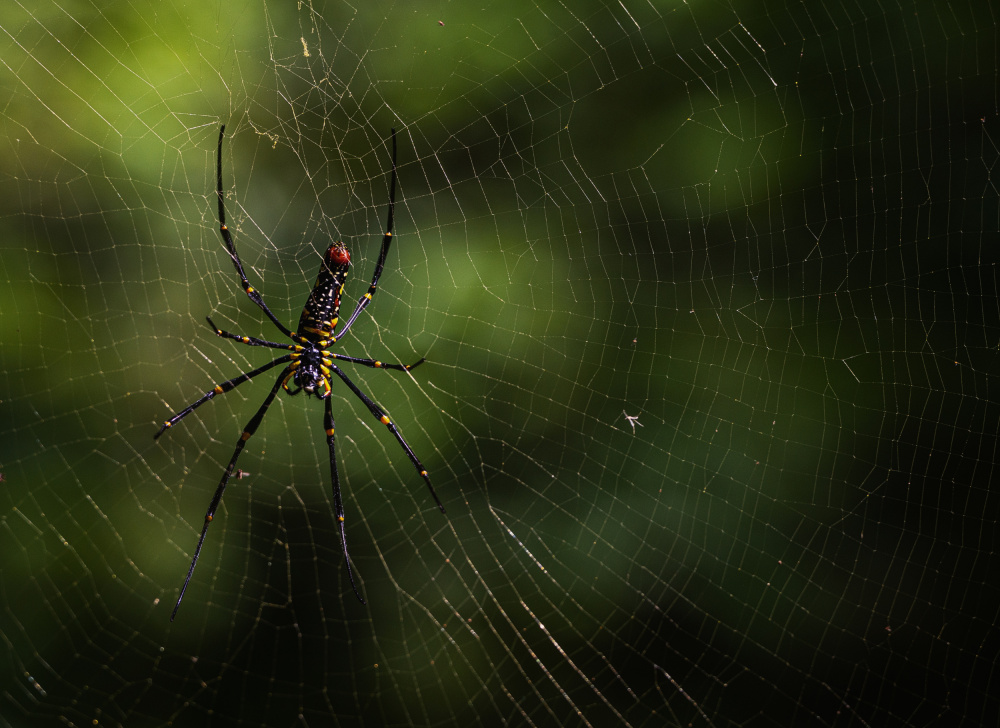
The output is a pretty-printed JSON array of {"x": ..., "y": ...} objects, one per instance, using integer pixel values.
[{"x": 769, "y": 231}]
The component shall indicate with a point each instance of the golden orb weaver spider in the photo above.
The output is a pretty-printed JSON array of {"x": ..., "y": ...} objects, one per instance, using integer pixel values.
[{"x": 309, "y": 366}]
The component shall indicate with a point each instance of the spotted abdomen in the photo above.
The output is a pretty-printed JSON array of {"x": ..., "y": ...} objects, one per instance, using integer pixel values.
[{"x": 319, "y": 317}]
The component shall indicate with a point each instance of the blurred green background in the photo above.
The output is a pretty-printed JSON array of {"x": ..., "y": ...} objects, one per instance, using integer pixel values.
[{"x": 768, "y": 232}]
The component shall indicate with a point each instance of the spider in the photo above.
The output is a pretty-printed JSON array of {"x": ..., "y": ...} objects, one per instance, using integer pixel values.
[{"x": 309, "y": 366}]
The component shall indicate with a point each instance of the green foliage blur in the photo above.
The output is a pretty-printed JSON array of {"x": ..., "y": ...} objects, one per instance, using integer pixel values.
[{"x": 763, "y": 232}]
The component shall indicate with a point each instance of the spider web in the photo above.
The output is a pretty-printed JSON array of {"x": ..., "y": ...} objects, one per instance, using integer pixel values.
[{"x": 708, "y": 296}]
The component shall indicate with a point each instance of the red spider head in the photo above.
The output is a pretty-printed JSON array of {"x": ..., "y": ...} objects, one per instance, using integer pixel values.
[{"x": 337, "y": 256}]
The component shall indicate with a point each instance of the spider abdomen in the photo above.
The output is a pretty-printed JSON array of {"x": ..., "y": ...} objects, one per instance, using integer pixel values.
[{"x": 322, "y": 310}]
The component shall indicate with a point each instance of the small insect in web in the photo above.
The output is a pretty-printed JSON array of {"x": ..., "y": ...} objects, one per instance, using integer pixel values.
[
  {"x": 632, "y": 420},
  {"x": 309, "y": 365}
]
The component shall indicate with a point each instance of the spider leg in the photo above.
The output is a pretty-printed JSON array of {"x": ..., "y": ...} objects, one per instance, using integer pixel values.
[
  {"x": 221, "y": 389},
  {"x": 375, "y": 363},
  {"x": 338, "y": 501},
  {"x": 227, "y": 238},
  {"x": 386, "y": 242},
  {"x": 251, "y": 340},
  {"x": 217, "y": 498},
  {"x": 382, "y": 417}
]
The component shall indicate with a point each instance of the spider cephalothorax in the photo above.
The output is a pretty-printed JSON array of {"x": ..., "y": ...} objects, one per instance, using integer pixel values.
[
  {"x": 310, "y": 372},
  {"x": 309, "y": 363}
]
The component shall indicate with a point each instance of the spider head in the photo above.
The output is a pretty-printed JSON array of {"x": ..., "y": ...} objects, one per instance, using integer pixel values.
[
  {"x": 320, "y": 389},
  {"x": 309, "y": 377},
  {"x": 337, "y": 257}
]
